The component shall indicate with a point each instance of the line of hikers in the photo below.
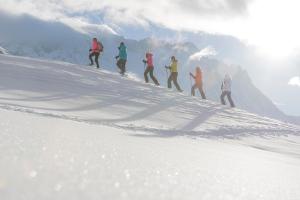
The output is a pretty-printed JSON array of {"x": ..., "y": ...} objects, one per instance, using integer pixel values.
[{"x": 121, "y": 58}]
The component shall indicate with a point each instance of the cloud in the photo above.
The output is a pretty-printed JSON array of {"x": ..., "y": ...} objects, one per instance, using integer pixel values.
[
  {"x": 166, "y": 12},
  {"x": 244, "y": 19},
  {"x": 81, "y": 25},
  {"x": 295, "y": 81},
  {"x": 206, "y": 52},
  {"x": 68, "y": 12},
  {"x": 219, "y": 7}
]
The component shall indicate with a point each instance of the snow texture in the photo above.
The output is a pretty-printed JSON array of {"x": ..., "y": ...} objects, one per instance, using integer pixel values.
[{"x": 75, "y": 132}]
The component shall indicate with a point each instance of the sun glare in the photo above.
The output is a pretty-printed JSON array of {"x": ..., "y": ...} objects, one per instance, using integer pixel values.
[
  {"x": 274, "y": 31},
  {"x": 275, "y": 50}
]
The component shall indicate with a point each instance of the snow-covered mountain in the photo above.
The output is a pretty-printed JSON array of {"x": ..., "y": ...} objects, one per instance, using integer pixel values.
[
  {"x": 2, "y": 51},
  {"x": 71, "y": 131},
  {"x": 53, "y": 40},
  {"x": 245, "y": 93}
]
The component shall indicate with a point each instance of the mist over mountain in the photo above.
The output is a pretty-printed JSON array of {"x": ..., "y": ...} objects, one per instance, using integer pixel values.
[{"x": 28, "y": 36}]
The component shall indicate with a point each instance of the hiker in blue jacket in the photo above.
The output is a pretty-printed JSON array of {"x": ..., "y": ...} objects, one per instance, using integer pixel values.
[{"x": 122, "y": 58}]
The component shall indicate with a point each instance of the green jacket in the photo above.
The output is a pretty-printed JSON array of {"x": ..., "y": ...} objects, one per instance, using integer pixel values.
[{"x": 123, "y": 52}]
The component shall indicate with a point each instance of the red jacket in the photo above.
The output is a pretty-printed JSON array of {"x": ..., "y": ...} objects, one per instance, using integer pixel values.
[
  {"x": 149, "y": 60},
  {"x": 96, "y": 46}
]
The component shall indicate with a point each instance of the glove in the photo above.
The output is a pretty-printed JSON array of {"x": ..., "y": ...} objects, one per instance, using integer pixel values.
[
  {"x": 144, "y": 61},
  {"x": 116, "y": 57},
  {"x": 90, "y": 50}
]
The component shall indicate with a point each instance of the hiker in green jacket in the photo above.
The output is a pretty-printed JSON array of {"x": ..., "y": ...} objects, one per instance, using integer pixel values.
[{"x": 122, "y": 58}]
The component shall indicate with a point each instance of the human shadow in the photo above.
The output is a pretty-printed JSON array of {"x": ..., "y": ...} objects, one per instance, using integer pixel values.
[
  {"x": 201, "y": 118},
  {"x": 148, "y": 111},
  {"x": 222, "y": 133}
]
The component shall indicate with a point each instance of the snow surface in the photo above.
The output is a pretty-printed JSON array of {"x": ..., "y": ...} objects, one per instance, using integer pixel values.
[{"x": 74, "y": 132}]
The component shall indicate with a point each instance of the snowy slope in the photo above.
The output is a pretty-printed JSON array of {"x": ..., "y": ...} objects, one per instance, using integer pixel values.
[
  {"x": 57, "y": 41},
  {"x": 70, "y": 131},
  {"x": 69, "y": 90}
]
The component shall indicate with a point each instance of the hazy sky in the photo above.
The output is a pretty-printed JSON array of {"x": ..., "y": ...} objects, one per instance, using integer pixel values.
[{"x": 272, "y": 25}]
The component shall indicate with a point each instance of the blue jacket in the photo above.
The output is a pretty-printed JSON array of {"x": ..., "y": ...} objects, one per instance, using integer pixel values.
[{"x": 123, "y": 52}]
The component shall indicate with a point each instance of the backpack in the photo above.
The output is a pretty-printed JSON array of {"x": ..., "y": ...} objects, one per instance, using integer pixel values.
[{"x": 100, "y": 46}]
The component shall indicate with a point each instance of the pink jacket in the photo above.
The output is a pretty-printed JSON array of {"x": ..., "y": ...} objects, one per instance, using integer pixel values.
[{"x": 149, "y": 57}]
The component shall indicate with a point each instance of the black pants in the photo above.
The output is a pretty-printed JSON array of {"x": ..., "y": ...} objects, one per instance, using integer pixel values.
[
  {"x": 173, "y": 77},
  {"x": 200, "y": 88},
  {"x": 150, "y": 70},
  {"x": 228, "y": 94},
  {"x": 122, "y": 65},
  {"x": 96, "y": 58}
]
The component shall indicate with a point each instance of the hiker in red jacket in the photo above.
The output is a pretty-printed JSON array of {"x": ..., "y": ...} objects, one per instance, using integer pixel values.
[
  {"x": 97, "y": 47},
  {"x": 149, "y": 68}
]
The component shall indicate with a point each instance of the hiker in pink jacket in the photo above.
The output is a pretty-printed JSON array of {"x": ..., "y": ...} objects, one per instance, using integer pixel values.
[
  {"x": 97, "y": 47},
  {"x": 149, "y": 68}
]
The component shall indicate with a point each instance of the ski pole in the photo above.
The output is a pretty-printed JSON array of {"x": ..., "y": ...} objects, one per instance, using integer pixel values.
[
  {"x": 117, "y": 63},
  {"x": 191, "y": 82},
  {"x": 167, "y": 75}
]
